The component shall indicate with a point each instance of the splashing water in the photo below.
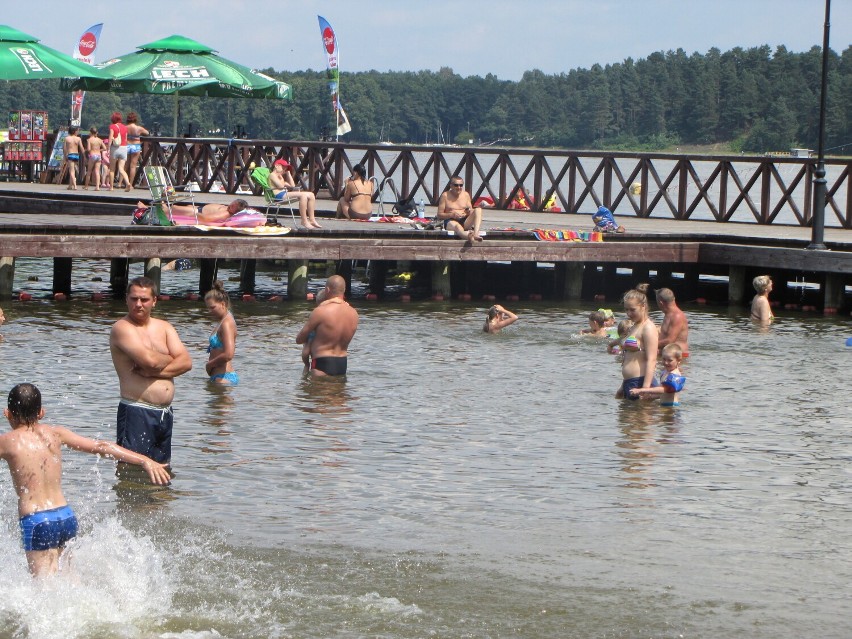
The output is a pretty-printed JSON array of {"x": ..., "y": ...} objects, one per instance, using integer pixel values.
[{"x": 109, "y": 578}]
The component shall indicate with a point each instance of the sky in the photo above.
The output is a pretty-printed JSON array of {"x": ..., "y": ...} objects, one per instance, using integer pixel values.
[{"x": 472, "y": 37}]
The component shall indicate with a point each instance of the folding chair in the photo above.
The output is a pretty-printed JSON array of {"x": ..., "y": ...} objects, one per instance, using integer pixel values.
[
  {"x": 164, "y": 192},
  {"x": 260, "y": 176}
]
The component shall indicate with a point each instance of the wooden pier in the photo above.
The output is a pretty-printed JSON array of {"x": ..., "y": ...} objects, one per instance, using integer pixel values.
[{"x": 49, "y": 221}]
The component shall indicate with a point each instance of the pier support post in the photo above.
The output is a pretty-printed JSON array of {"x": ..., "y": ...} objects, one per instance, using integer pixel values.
[
  {"x": 62, "y": 275},
  {"x": 343, "y": 268},
  {"x": 736, "y": 284},
  {"x": 153, "y": 270},
  {"x": 7, "y": 277},
  {"x": 441, "y": 279},
  {"x": 208, "y": 271},
  {"x": 378, "y": 272},
  {"x": 833, "y": 291},
  {"x": 297, "y": 279},
  {"x": 119, "y": 269},
  {"x": 569, "y": 281},
  {"x": 248, "y": 272}
]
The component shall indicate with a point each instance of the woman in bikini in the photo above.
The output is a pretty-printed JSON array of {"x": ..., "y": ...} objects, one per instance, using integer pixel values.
[
  {"x": 357, "y": 200},
  {"x": 639, "y": 347},
  {"x": 282, "y": 183},
  {"x": 94, "y": 147},
  {"x": 134, "y": 144},
  {"x": 223, "y": 341}
]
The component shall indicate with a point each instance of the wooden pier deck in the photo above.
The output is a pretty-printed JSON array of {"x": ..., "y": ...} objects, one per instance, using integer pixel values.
[{"x": 50, "y": 221}]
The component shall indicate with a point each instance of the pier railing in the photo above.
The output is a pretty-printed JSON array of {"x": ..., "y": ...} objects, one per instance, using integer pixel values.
[{"x": 724, "y": 188}]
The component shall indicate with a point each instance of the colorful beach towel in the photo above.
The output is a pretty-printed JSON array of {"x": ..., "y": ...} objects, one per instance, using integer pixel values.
[
  {"x": 247, "y": 218},
  {"x": 559, "y": 235}
]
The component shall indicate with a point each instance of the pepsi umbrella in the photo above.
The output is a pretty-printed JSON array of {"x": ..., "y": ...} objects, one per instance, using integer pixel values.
[
  {"x": 179, "y": 66},
  {"x": 23, "y": 58}
]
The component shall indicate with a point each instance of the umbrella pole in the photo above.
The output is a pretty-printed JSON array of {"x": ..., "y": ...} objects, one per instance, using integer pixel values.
[{"x": 175, "y": 115}]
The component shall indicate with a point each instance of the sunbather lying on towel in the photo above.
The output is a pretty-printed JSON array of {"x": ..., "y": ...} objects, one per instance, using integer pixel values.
[{"x": 209, "y": 212}]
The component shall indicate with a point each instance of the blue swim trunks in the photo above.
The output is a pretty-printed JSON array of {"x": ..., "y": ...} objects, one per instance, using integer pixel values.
[
  {"x": 281, "y": 195},
  {"x": 634, "y": 382},
  {"x": 145, "y": 429},
  {"x": 48, "y": 529},
  {"x": 231, "y": 377},
  {"x": 134, "y": 148}
]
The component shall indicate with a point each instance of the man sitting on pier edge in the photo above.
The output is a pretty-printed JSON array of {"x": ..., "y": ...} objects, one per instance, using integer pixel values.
[{"x": 459, "y": 215}]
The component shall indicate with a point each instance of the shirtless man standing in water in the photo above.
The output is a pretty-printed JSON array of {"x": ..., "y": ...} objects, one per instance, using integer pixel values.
[
  {"x": 675, "y": 326},
  {"x": 147, "y": 354},
  {"x": 333, "y": 323}
]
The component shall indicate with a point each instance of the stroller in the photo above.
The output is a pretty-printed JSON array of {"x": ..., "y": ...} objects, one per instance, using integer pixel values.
[{"x": 605, "y": 221}]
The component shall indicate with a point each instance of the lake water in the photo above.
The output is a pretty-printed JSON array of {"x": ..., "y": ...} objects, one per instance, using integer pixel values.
[{"x": 456, "y": 484}]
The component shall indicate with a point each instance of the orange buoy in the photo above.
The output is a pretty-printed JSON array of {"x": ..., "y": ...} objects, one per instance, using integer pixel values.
[
  {"x": 535, "y": 297},
  {"x": 405, "y": 298},
  {"x": 372, "y": 297},
  {"x": 164, "y": 298},
  {"x": 512, "y": 298},
  {"x": 24, "y": 297},
  {"x": 275, "y": 298},
  {"x": 464, "y": 297},
  {"x": 193, "y": 297},
  {"x": 309, "y": 297},
  {"x": 438, "y": 297},
  {"x": 60, "y": 297},
  {"x": 248, "y": 297}
]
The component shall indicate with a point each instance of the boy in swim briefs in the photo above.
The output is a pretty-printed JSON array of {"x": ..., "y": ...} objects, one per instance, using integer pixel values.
[
  {"x": 671, "y": 380},
  {"x": 34, "y": 453}
]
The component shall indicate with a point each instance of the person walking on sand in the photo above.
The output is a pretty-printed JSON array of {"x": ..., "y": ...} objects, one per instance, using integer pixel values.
[
  {"x": 459, "y": 215},
  {"x": 34, "y": 453},
  {"x": 147, "y": 355},
  {"x": 333, "y": 323}
]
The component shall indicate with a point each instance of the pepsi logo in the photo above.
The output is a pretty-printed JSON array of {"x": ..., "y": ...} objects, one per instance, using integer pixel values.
[{"x": 87, "y": 44}]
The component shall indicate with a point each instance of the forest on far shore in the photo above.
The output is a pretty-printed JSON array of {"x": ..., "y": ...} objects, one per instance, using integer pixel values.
[{"x": 743, "y": 100}]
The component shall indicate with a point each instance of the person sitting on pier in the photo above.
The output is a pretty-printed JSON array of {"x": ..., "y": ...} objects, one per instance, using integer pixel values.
[
  {"x": 213, "y": 212},
  {"x": 605, "y": 221},
  {"x": 458, "y": 214},
  {"x": 282, "y": 183},
  {"x": 357, "y": 200},
  {"x": 761, "y": 311}
]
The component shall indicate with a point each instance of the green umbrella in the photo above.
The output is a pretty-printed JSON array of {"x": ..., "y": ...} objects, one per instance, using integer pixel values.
[
  {"x": 23, "y": 58},
  {"x": 180, "y": 66}
]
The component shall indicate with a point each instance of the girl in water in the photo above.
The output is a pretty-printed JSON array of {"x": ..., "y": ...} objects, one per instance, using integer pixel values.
[
  {"x": 497, "y": 319},
  {"x": 223, "y": 340},
  {"x": 639, "y": 347}
]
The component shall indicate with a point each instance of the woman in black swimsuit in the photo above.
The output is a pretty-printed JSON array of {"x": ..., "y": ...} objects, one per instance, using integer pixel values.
[{"x": 357, "y": 200}]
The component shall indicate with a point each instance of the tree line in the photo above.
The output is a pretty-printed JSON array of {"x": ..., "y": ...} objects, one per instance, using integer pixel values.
[{"x": 751, "y": 100}]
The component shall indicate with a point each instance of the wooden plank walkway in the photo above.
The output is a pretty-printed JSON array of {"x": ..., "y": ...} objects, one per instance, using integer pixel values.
[{"x": 66, "y": 229}]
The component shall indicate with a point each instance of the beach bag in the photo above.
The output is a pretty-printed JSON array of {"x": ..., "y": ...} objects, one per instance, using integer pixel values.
[
  {"x": 405, "y": 207},
  {"x": 150, "y": 216}
]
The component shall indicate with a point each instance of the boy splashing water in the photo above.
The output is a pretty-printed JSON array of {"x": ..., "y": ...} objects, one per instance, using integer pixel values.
[{"x": 34, "y": 454}]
